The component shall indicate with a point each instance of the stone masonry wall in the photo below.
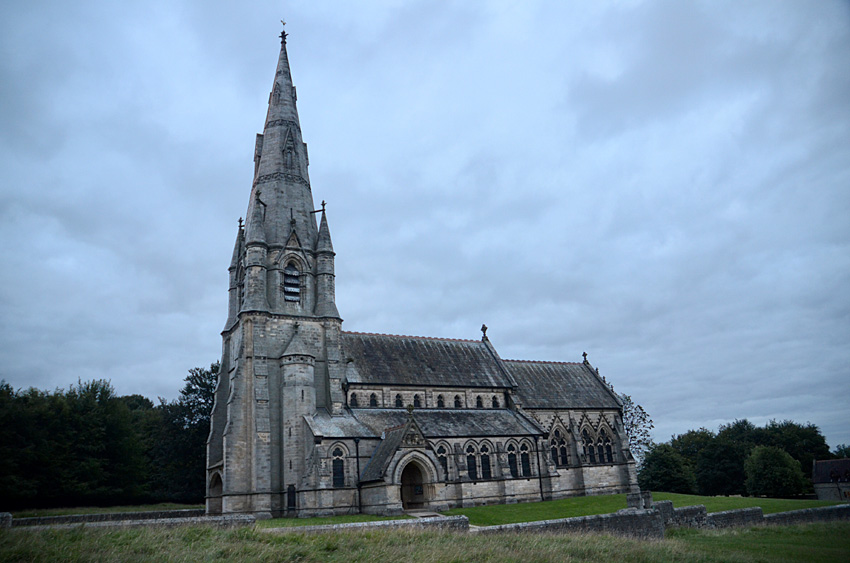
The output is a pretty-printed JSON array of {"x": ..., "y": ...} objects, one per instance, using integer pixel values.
[
  {"x": 732, "y": 518},
  {"x": 644, "y": 524},
  {"x": 808, "y": 515},
  {"x": 107, "y": 517}
]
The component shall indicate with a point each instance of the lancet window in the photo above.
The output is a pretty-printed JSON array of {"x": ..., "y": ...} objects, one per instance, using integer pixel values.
[
  {"x": 373, "y": 400},
  {"x": 478, "y": 402},
  {"x": 458, "y": 403},
  {"x": 441, "y": 403},
  {"x": 485, "y": 462},
  {"x": 352, "y": 400},
  {"x": 338, "y": 465},
  {"x": 417, "y": 402},
  {"x": 398, "y": 402},
  {"x": 525, "y": 460},
  {"x": 558, "y": 449},
  {"x": 442, "y": 456},
  {"x": 512, "y": 461},
  {"x": 471, "y": 463},
  {"x": 495, "y": 402},
  {"x": 587, "y": 447}
]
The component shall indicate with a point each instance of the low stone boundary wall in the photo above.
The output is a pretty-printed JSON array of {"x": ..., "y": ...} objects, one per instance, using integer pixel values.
[
  {"x": 809, "y": 515},
  {"x": 218, "y": 521},
  {"x": 631, "y": 522},
  {"x": 449, "y": 523},
  {"x": 108, "y": 517},
  {"x": 732, "y": 518}
]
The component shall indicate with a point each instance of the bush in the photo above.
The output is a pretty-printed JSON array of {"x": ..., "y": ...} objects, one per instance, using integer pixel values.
[{"x": 772, "y": 472}]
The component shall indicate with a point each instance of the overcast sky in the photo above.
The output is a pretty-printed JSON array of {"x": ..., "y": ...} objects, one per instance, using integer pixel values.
[{"x": 665, "y": 185}]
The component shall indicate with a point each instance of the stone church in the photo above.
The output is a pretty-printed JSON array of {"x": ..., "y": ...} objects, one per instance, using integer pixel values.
[{"x": 313, "y": 420}]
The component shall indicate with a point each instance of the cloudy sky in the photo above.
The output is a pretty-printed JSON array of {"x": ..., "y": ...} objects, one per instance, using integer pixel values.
[{"x": 665, "y": 185}]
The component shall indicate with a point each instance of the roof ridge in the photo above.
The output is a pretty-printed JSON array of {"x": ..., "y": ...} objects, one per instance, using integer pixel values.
[
  {"x": 411, "y": 336},
  {"x": 544, "y": 362}
]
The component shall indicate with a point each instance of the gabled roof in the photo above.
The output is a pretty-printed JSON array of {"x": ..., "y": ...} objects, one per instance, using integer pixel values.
[
  {"x": 831, "y": 470},
  {"x": 411, "y": 360},
  {"x": 377, "y": 465},
  {"x": 559, "y": 385}
]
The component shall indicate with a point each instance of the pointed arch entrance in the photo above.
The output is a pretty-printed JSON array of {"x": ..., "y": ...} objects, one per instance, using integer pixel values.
[
  {"x": 413, "y": 489},
  {"x": 214, "y": 494}
]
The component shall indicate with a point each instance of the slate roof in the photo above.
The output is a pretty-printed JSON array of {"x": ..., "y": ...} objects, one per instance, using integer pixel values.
[
  {"x": 559, "y": 385},
  {"x": 446, "y": 423},
  {"x": 377, "y": 465},
  {"x": 383, "y": 359},
  {"x": 831, "y": 470}
]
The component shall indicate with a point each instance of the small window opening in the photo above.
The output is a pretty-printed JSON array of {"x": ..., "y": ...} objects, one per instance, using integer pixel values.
[
  {"x": 441, "y": 404},
  {"x": 353, "y": 400},
  {"x": 495, "y": 402},
  {"x": 444, "y": 461},
  {"x": 338, "y": 468},
  {"x": 479, "y": 403},
  {"x": 525, "y": 460},
  {"x": 458, "y": 404},
  {"x": 373, "y": 400},
  {"x": 512, "y": 461},
  {"x": 398, "y": 402},
  {"x": 471, "y": 466},
  {"x": 485, "y": 462},
  {"x": 416, "y": 402}
]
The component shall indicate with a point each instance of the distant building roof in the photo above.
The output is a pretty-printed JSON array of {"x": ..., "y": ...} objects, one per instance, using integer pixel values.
[
  {"x": 559, "y": 385},
  {"x": 831, "y": 471}
]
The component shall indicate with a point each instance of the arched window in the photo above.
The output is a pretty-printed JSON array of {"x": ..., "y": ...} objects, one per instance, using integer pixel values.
[
  {"x": 352, "y": 400},
  {"x": 458, "y": 403},
  {"x": 600, "y": 451},
  {"x": 373, "y": 400},
  {"x": 479, "y": 404},
  {"x": 398, "y": 402},
  {"x": 338, "y": 467},
  {"x": 525, "y": 460},
  {"x": 471, "y": 466},
  {"x": 442, "y": 455},
  {"x": 609, "y": 454},
  {"x": 416, "y": 402},
  {"x": 441, "y": 404},
  {"x": 495, "y": 402},
  {"x": 587, "y": 447},
  {"x": 512, "y": 461},
  {"x": 558, "y": 449},
  {"x": 291, "y": 283},
  {"x": 485, "y": 462}
]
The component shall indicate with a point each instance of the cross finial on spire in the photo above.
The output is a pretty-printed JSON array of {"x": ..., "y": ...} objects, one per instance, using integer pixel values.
[
  {"x": 283, "y": 32},
  {"x": 584, "y": 355},
  {"x": 483, "y": 331},
  {"x": 323, "y": 206},
  {"x": 240, "y": 223}
]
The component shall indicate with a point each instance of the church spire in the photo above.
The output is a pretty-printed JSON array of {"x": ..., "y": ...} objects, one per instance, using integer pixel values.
[{"x": 281, "y": 164}]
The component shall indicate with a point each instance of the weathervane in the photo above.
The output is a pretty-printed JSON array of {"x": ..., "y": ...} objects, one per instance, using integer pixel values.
[{"x": 283, "y": 33}]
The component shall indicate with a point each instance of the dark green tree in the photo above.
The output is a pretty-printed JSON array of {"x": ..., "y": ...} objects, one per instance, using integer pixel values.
[
  {"x": 804, "y": 442},
  {"x": 720, "y": 467},
  {"x": 772, "y": 472},
  {"x": 841, "y": 450},
  {"x": 664, "y": 469},
  {"x": 691, "y": 443}
]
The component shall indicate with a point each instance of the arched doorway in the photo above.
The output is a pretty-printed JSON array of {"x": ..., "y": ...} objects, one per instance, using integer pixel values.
[
  {"x": 412, "y": 487},
  {"x": 214, "y": 498}
]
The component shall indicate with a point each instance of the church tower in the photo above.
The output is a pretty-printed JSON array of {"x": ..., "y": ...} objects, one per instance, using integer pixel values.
[{"x": 281, "y": 342}]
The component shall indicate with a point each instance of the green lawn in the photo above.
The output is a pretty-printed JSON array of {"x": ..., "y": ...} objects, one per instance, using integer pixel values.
[
  {"x": 585, "y": 506},
  {"x": 321, "y": 521},
  {"x": 814, "y": 542},
  {"x": 101, "y": 509},
  {"x": 719, "y": 504}
]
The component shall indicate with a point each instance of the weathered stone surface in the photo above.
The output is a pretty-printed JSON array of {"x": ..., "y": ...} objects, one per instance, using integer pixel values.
[
  {"x": 733, "y": 518},
  {"x": 808, "y": 515},
  {"x": 452, "y": 523},
  {"x": 226, "y": 521},
  {"x": 108, "y": 517},
  {"x": 643, "y": 524}
]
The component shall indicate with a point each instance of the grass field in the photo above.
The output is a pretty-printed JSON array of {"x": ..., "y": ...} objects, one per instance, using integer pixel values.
[
  {"x": 586, "y": 506},
  {"x": 815, "y": 542},
  {"x": 101, "y": 509}
]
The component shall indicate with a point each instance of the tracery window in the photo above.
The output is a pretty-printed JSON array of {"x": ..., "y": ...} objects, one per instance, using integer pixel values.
[
  {"x": 525, "y": 460},
  {"x": 338, "y": 467},
  {"x": 512, "y": 461},
  {"x": 495, "y": 402},
  {"x": 440, "y": 402},
  {"x": 471, "y": 466},
  {"x": 398, "y": 402},
  {"x": 442, "y": 455},
  {"x": 485, "y": 462},
  {"x": 352, "y": 400},
  {"x": 458, "y": 403},
  {"x": 558, "y": 449},
  {"x": 291, "y": 283},
  {"x": 373, "y": 400},
  {"x": 479, "y": 403},
  {"x": 587, "y": 447},
  {"x": 605, "y": 442},
  {"x": 416, "y": 402}
]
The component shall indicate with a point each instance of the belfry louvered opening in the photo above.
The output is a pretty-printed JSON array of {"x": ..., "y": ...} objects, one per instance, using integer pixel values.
[{"x": 291, "y": 283}]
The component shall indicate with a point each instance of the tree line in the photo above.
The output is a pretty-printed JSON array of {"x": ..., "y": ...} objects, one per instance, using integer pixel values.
[
  {"x": 87, "y": 446},
  {"x": 739, "y": 459}
]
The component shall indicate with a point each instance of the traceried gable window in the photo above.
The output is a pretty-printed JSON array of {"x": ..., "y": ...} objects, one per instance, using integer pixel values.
[
  {"x": 291, "y": 284},
  {"x": 558, "y": 449},
  {"x": 587, "y": 447}
]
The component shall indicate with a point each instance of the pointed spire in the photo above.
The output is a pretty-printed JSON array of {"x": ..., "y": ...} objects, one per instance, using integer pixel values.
[
  {"x": 256, "y": 229},
  {"x": 281, "y": 164},
  {"x": 324, "y": 243},
  {"x": 237, "y": 247}
]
